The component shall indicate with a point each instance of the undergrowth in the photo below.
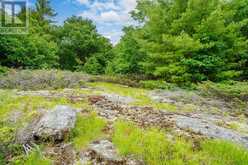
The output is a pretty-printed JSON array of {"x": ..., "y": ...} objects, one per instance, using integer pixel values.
[
  {"x": 227, "y": 90},
  {"x": 42, "y": 79}
]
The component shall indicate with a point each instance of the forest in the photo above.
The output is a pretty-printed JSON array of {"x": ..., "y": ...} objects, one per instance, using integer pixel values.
[{"x": 178, "y": 41}]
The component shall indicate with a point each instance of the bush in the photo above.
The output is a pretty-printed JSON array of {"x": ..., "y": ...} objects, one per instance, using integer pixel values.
[
  {"x": 93, "y": 66},
  {"x": 3, "y": 70},
  {"x": 227, "y": 90},
  {"x": 55, "y": 79},
  {"x": 42, "y": 79},
  {"x": 157, "y": 84},
  {"x": 117, "y": 79}
]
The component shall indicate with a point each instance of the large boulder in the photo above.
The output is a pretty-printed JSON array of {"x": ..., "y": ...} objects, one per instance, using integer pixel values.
[{"x": 54, "y": 125}]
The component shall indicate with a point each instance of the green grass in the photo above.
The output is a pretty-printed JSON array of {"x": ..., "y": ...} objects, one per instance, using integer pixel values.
[
  {"x": 34, "y": 158},
  {"x": 139, "y": 94},
  {"x": 226, "y": 153},
  {"x": 87, "y": 129},
  {"x": 151, "y": 145},
  {"x": 155, "y": 148},
  {"x": 30, "y": 104},
  {"x": 29, "y": 107}
]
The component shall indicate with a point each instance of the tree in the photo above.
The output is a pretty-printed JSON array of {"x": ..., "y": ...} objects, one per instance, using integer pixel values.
[
  {"x": 127, "y": 55},
  {"x": 79, "y": 41},
  {"x": 192, "y": 40},
  {"x": 35, "y": 50},
  {"x": 44, "y": 12}
]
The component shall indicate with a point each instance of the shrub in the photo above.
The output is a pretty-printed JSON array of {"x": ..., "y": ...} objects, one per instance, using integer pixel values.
[
  {"x": 156, "y": 84},
  {"x": 93, "y": 66},
  {"x": 42, "y": 79},
  {"x": 118, "y": 79},
  {"x": 3, "y": 70},
  {"x": 227, "y": 90}
]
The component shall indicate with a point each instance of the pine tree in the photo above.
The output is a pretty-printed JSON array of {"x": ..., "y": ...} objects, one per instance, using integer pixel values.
[{"x": 44, "y": 11}]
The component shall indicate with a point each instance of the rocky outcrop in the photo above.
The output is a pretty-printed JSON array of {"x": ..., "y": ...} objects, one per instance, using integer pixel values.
[
  {"x": 117, "y": 99},
  {"x": 209, "y": 129},
  {"x": 182, "y": 98},
  {"x": 193, "y": 123},
  {"x": 54, "y": 125}
]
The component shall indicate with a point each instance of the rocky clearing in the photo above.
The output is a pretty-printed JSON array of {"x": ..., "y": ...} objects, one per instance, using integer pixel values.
[{"x": 48, "y": 118}]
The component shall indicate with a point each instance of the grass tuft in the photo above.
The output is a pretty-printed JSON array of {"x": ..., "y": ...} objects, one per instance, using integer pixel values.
[
  {"x": 87, "y": 129},
  {"x": 37, "y": 158},
  {"x": 226, "y": 153}
]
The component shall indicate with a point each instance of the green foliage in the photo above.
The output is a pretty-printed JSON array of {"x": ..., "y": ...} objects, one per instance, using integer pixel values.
[
  {"x": 49, "y": 46},
  {"x": 187, "y": 41},
  {"x": 79, "y": 42},
  {"x": 87, "y": 129},
  {"x": 3, "y": 70},
  {"x": 179, "y": 41},
  {"x": 44, "y": 11},
  {"x": 2, "y": 161},
  {"x": 228, "y": 90},
  {"x": 30, "y": 51},
  {"x": 6, "y": 134},
  {"x": 127, "y": 55},
  {"x": 93, "y": 66},
  {"x": 156, "y": 84}
]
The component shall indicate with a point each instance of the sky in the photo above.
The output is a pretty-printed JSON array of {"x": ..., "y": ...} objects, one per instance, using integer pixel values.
[{"x": 109, "y": 16}]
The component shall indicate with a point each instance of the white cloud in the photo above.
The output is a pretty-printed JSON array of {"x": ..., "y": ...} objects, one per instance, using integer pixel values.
[
  {"x": 109, "y": 16},
  {"x": 109, "y": 12}
]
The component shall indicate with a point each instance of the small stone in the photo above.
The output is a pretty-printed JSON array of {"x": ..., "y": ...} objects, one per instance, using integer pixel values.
[{"x": 105, "y": 150}]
